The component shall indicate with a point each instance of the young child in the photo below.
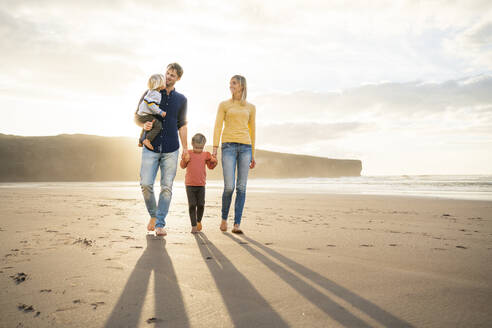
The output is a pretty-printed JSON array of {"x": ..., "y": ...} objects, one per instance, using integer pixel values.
[
  {"x": 148, "y": 107},
  {"x": 195, "y": 179}
]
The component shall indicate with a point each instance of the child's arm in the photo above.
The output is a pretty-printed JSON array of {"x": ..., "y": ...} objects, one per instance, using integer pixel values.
[
  {"x": 184, "y": 162},
  {"x": 152, "y": 100},
  {"x": 211, "y": 162}
]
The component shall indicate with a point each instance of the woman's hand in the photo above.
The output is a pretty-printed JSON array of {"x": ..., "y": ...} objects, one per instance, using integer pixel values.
[
  {"x": 252, "y": 164},
  {"x": 214, "y": 152},
  {"x": 148, "y": 125}
]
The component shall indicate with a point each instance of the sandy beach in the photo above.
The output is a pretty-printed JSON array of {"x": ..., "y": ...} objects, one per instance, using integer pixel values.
[{"x": 80, "y": 257}]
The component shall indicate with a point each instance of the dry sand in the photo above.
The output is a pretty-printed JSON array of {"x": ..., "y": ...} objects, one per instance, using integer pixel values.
[{"x": 80, "y": 257}]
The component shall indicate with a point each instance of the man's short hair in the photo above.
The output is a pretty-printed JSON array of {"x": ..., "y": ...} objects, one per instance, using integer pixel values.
[{"x": 177, "y": 68}]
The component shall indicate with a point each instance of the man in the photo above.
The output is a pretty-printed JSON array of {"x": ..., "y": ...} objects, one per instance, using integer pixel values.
[{"x": 166, "y": 151}]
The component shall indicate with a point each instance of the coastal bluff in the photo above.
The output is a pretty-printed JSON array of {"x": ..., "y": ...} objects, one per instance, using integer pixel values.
[{"x": 81, "y": 157}]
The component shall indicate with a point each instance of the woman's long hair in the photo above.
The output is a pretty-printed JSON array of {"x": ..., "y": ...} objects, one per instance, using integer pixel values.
[{"x": 242, "y": 82}]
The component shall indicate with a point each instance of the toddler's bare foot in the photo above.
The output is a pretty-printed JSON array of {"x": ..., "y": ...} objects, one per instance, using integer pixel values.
[
  {"x": 194, "y": 230},
  {"x": 147, "y": 144},
  {"x": 223, "y": 225},
  {"x": 199, "y": 226}
]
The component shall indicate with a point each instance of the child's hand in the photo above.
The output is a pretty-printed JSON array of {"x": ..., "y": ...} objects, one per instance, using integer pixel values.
[
  {"x": 148, "y": 125},
  {"x": 213, "y": 160},
  {"x": 163, "y": 114},
  {"x": 186, "y": 157}
]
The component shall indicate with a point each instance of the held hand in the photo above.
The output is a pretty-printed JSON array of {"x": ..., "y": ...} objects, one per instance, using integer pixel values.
[
  {"x": 185, "y": 156},
  {"x": 163, "y": 114},
  {"x": 252, "y": 164},
  {"x": 213, "y": 160},
  {"x": 214, "y": 153},
  {"x": 148, "y": 125}
]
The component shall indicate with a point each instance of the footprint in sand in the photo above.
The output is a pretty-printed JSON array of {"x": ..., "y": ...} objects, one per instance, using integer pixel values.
[
  {"x": 268, "y": 244},
  {"x": 393, "y": 244},
  {"x": 366, "y": 245},
  {"x": 96, "y": 304},
  {"x": 27, "y": 308},
  {"x": 99, "y": 291},
  {"x": 462, "y": 247},
  {"x": 330, "y": 245},
  {"x": 312, "y": 249},
  {"x": 19, "y": 277}
]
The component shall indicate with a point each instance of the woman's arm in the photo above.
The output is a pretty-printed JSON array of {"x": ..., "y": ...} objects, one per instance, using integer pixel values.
[
  {"x": 219, "y": 124},
  {"x": 252, "y": 134}
]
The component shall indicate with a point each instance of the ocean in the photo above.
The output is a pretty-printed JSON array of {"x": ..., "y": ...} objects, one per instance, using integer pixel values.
[{"x": 472, "y": 187}]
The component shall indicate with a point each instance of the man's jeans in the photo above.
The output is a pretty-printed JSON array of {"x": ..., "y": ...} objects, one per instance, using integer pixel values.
[
  {"x": 151, "y": 162},
  {"x": 235, "y": 155}
]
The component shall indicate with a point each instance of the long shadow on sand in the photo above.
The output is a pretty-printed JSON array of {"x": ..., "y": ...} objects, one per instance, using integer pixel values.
[
  {"x": 324, "y": 303},
  {"x": 246, "y": 307},
  {"x": 169, "y": 305}
]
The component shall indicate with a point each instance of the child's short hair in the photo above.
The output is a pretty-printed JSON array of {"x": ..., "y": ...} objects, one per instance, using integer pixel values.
[
  {"x": 156, "y": 81},
  {"x": 198, "y": 140}
]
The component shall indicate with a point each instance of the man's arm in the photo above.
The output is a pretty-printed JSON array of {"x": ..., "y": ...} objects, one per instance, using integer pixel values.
[
  {"x": 183, "y": 136},
  {"x": 183, "y": 129}
]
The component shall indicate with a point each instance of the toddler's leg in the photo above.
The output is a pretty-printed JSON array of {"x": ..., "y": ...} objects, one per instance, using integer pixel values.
[
  {"x": 156, "y": 129},
  {"x": 200, "y": 203},
  {"x": 191, "y": 204}
]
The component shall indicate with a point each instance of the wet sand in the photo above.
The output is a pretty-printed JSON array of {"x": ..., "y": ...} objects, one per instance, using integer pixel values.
[{"x": 80, "y": 257}]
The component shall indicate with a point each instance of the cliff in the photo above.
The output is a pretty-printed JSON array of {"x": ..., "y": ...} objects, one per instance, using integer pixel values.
[{"x": 95, "y": 158}]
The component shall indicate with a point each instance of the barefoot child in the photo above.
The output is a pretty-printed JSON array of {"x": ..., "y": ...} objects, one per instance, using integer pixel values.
[
  {"x": 148, "y": 107},
  {"x": 195, "y": 179}
]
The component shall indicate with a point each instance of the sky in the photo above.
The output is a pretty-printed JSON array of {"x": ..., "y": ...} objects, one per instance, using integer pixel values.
[{"x": 404, "y": 86}]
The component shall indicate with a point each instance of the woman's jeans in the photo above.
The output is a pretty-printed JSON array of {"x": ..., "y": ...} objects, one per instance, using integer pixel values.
[
  {"x": 235, "y": 155},
  {"x": 151, "y": 162}
]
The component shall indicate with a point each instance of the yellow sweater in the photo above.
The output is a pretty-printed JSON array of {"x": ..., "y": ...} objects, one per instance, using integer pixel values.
[{"x": 238, "y": 122}]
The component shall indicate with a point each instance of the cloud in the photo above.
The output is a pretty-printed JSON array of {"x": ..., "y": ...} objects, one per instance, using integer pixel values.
[
  {"x": 474, "y": 43},
  {"x": 306, "y": 132},
  {"x": 416, "y": 100}
]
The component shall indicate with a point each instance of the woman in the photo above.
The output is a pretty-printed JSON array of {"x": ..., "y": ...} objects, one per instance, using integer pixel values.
[{"x": 235, "y": 124}]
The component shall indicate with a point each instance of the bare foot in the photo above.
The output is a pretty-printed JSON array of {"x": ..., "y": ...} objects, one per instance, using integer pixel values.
[
  {"x": 199, "y": 226},
  {"x": 194, "y": 229},
  {"x": 160, "y": 231},
  {"x": 236, "y": 229},
  {"x": 151, "y": 225},
  {"x": 147, "y": 144},
  {"x": 223, "y": 225}
]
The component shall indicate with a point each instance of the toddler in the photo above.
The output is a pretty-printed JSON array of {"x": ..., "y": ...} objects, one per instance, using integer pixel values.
[
  {"x": 148, "y": 107},
  {"x": 195, "y": 179}
]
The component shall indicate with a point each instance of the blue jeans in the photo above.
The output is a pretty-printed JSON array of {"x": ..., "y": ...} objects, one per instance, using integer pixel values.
[
  {"x": 151, "y": 162},
  {"x": 235, "y": 155}
]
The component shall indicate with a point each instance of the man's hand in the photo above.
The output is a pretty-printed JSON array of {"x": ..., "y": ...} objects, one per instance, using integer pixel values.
[
  {"x": 214, "y": 153},
  {"x": 252, "y": 164},
  {"x": 163, "y": 114},
  {"x": 185, "y": 156},
  {"x": 148, "y": 125}
]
